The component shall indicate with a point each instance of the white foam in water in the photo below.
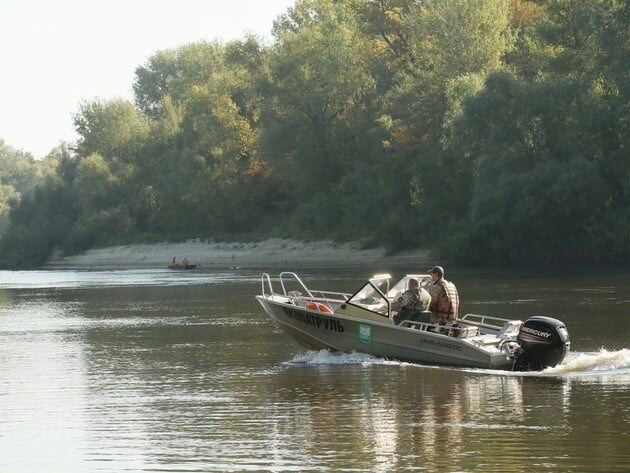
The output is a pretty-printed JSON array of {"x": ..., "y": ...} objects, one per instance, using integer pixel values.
[
  {"x": 326, "y": 357},
  {"x": 594, "y": 363}
]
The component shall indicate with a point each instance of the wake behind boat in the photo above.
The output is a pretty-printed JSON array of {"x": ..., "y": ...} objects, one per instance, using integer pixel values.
[{"x": 364, "y": 322}]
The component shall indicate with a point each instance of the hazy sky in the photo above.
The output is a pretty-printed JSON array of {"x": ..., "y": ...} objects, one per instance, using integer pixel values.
[{"x": 54, "y": 54}]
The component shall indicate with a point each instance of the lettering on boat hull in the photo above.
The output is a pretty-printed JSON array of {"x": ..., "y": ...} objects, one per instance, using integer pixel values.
[{"x": 324, "y": 323}]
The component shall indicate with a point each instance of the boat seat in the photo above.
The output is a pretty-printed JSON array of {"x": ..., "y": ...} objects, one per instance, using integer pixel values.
[
  {"x": 466, "y": 332},
  {"x": 510, "y": 328}
]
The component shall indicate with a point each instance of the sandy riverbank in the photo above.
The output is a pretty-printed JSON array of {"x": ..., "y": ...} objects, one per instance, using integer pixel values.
[{"x": 273, "y": 253}]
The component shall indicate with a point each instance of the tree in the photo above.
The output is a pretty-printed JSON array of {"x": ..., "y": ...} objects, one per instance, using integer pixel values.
[
  {"x": 542, "y": 191},
  {"x": 38, "y": 224},
  {"x": 319, "y": 80},
  {"x": 114, "y": 129},
  {"x": 173, "y": 72},
  {"x": 453, "y": 45},
  {"x": 19, "y": 174},
  {"x": 204, "y": 129}
]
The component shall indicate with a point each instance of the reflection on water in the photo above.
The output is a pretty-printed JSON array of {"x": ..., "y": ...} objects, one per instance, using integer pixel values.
[
  {"x": 128, "y": 278},
  {"x": 135, "y": 371},
  {"x": 453, "y": 419}
]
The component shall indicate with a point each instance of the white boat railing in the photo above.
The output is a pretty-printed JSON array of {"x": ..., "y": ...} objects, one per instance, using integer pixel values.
[
  {"x": 314, "y": 294},
  {"x": 330, "y": 295},
  {"x": 287, "y": 274},
  {"x": 265, "y": 278},
  {"x": 484, "y": 320}
]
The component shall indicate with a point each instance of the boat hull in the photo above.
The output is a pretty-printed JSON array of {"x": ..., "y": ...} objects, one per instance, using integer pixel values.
[
  {"x": 182, "y": 267},
  {"x": 318, "y": 330}
]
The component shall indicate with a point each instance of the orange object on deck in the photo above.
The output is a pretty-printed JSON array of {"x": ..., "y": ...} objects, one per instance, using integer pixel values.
[{"x": 319, "y": 307}]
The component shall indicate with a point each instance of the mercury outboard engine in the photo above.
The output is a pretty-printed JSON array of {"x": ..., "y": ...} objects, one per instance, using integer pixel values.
[{"x": 543, "y": 342}]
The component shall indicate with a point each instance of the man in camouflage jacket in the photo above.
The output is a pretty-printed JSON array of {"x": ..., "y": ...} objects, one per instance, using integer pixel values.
[{"x": 411, "y": 303}]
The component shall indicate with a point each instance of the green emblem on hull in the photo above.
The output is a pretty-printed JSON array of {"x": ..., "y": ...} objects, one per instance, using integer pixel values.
[{"x": 365, "y": 334}]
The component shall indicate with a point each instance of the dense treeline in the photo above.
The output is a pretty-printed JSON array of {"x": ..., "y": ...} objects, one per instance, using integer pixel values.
[
  {"x": 496, "y": 131},
  {"x": 20, "y": 174}
]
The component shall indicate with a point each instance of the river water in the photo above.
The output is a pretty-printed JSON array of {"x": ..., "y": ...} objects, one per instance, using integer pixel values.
[{"x": 167, "y": 371}]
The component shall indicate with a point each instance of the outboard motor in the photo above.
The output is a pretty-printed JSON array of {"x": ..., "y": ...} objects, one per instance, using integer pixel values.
[{"x": 543, "y": 342}]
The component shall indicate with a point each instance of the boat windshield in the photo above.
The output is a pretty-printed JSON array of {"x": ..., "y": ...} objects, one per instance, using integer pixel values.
[
  {"x": 401, "y": 286},
  {"x": 371, "y": 297}
]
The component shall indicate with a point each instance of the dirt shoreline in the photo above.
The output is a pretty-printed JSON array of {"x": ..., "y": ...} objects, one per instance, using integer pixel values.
[{"x": 272, "y": 253}]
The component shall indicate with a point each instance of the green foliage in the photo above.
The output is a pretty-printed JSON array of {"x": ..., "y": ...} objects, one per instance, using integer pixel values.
[
  {"x": 113, "y": 129},
  {"x": 495, "y": 131},
  {"x": 318, "y": 79},
  {"x": 19, "y": 174},
  {"x": 42, "y": 219},
  {"x": 543, "y": 153}
]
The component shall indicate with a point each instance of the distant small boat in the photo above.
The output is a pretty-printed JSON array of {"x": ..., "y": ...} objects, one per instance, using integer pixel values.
[{"x": 182, "y": 267}]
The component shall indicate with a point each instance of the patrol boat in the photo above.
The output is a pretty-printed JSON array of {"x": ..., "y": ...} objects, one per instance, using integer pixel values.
[{"x": 363, "y": 322}]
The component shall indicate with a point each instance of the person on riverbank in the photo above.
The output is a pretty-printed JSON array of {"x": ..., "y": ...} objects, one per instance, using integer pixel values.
[
  {"x": 444, "y": 304},
  {"x": 411, "y": 303}
]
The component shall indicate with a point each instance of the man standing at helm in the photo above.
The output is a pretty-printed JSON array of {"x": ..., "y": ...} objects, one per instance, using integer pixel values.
[{"x": 444, "y": 298}]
